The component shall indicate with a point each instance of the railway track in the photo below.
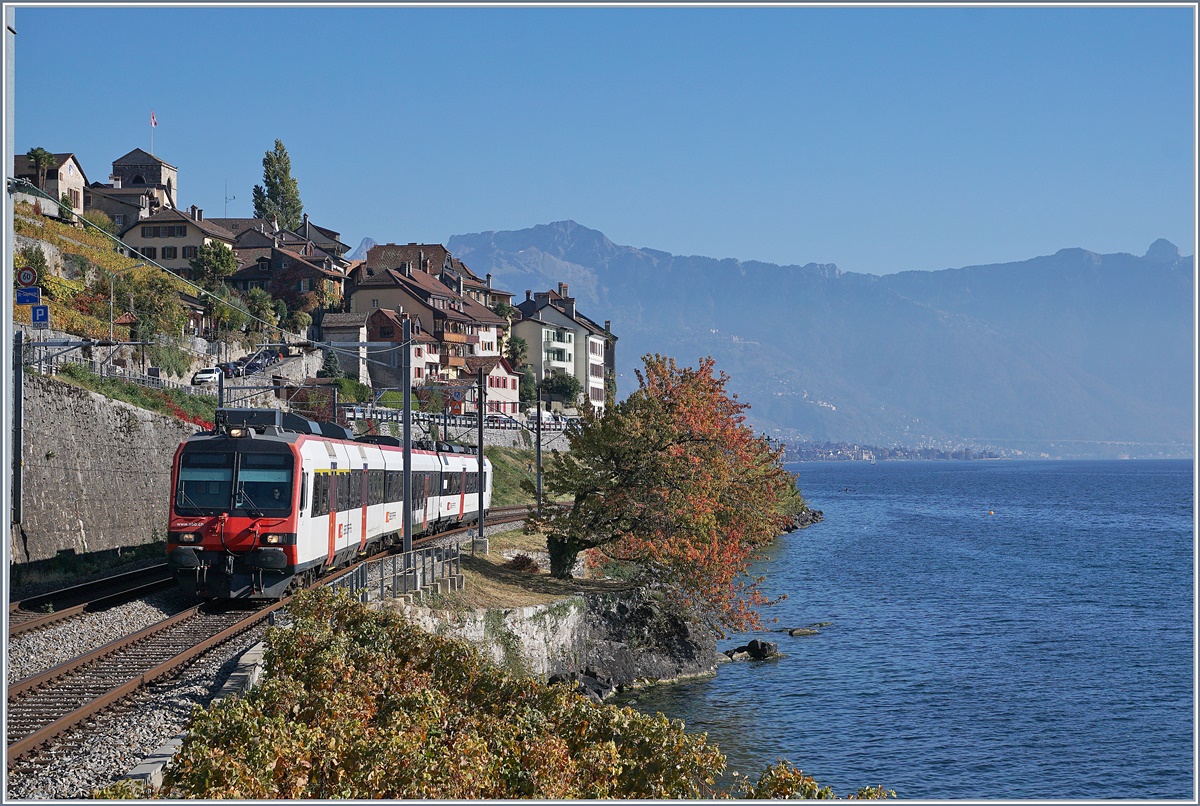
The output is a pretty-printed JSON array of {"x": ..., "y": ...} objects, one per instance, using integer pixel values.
[
  {"x": 36, "y": 612},
  {"x": 46, "y": 705}
]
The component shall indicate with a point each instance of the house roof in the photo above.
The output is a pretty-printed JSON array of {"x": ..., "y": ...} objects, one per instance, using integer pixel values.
[
  {"x": 170, "y": 216},
  {"x": 481, "y": 313},
  {"x": 304, "y": 261},
  {"x": 312, "y": 232},
  {"x": 397, "y": 321},
  {"x": 139, "y": 157},
  {"x": 531, "y": 307},
  {"x": 489, "y": 364},
  {"x": 344, "y": 320},
  {"x": 392, "y": 256},
  {"x": 240, "y": 225},
  {"x": 112, "y": 192}
]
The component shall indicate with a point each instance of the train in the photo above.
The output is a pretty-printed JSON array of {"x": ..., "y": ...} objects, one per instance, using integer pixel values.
[{"x": 268, "y": 501}]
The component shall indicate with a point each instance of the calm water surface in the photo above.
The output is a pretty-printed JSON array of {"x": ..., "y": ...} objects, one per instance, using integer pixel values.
[{"x": 1000, "y": 630}]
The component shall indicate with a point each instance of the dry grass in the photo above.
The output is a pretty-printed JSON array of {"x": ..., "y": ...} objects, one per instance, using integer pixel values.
[{"x": 490, "y": 585}]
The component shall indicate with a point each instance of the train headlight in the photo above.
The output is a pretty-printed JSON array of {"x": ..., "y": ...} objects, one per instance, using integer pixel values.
[
  {"x": 238, "y": 431},
  {"x": 273, "y": 540},
  {"x": 189, "y": 537}
]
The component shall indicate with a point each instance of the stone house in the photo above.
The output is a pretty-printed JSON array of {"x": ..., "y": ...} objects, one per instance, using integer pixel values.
[
  {"x": 125, "y": 206},
  {"x": 141, "y": 169}
]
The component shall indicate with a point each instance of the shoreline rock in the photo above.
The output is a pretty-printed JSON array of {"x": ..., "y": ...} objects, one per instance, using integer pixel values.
[{"x": 804, "y": 519}]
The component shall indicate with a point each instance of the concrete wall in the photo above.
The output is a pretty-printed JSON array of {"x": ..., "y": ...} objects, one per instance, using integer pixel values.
[{"x": 96, "y": 473}]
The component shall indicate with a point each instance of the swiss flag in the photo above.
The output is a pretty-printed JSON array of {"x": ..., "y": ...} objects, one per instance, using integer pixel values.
[{"x": 153, "y": 120}]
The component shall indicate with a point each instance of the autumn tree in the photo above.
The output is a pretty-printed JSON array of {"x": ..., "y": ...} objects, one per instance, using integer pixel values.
[
  {"x": 672, "y": 481},
  {"x": 278, "y": 197}
]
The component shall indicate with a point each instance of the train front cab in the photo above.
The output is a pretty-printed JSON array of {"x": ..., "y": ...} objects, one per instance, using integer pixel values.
[{"x": 233, "y": 523}]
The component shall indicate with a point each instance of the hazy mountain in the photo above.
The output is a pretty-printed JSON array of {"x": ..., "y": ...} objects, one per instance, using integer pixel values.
[
  {"x": 1069, "y": 353},
  {"x": 360, "y": 252}
]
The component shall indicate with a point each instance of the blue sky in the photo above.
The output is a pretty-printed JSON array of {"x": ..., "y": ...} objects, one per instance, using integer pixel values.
[{"x": 879, "y": 139}]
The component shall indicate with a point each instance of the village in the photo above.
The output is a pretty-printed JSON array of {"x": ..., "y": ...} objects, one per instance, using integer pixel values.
[{"x": 298, "y": 283}]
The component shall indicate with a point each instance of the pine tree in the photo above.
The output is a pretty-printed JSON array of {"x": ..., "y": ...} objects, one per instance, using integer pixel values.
[
  {"x": 280, "y": 198},
  {"x": 330, "y": 368}
]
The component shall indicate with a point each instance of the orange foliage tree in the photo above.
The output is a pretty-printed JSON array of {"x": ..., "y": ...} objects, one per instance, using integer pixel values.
[{"x": 673, "y": 481}]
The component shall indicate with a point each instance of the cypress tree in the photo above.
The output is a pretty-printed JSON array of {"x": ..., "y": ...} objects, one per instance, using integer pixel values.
[{"x": 280, "y": 198}]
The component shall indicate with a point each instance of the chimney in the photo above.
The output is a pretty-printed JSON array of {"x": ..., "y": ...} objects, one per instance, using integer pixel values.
[
  {"x": 528, "y": 295},
  {"x": 192, "y": 212},
  {"x": 489, "y": 280},
  {"x": 460, "y": 286},
  {"x": 562, "y": 290},
  {"x": 306, "y": 223},
  {"x": 420, "y": 260},
  {"x": 199, "y": 215},
  {"x": 608, "y": 326},
  {"x": 115, "y": 180}
]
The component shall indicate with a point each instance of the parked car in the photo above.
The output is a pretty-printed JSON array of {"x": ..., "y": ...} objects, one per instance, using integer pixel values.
[
  {"x": 231, "y": 369},
  {"x": 254, "y": 366},
  {"x": 206, "y": 376}
]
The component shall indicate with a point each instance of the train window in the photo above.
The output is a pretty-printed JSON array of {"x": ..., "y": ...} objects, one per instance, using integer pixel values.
[
  {"x": 321, "y": 494},
  {"x": 343, "y": 492},
  {"x": 264, "y": 482},
  {"x": 205, "y": 483},
  {"x": 303, "y": 492}
]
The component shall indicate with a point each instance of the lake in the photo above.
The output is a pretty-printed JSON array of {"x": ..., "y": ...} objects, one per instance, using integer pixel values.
[{"x": 998, "y": 629}]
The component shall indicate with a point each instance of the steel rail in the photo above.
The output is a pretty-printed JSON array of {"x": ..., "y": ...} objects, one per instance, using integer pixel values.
[
  {"x": 138, "y": 679},
  {"x": 96, "y": 595}
]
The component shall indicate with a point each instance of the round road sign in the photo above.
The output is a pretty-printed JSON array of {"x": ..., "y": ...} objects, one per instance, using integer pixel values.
[{"x": 26, "y": 276}]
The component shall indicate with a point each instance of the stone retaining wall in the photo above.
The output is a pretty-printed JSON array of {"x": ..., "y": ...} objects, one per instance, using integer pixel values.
[{"x": 96, "y": 473}]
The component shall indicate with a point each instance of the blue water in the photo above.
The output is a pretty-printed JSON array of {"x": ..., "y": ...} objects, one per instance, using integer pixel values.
[{"x": 1043, "y": 651}]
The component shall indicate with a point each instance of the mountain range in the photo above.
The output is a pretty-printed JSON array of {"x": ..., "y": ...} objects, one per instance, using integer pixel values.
[{"x": 1069, "y": 355}]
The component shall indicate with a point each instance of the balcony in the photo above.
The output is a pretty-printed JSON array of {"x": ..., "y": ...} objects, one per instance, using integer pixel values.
[
  {"x": 453, "y": 338},
  {"x": 558, "y": 337},
  {"x": 453, "y": 361}
]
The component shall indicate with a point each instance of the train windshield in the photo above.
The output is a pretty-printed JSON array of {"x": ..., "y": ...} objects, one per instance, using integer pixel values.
[
  {"x": 205, "y": 483},
  {"x": 264, "y": 483}
]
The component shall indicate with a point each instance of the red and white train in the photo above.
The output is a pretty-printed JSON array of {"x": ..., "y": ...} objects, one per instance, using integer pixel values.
[{"x": 269, "y": 501}]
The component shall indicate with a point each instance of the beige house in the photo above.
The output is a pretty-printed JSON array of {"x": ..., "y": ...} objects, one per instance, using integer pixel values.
[
  {"x": 172, "y": 238},
  {"x": 561, "y": 340},
  {"x": 64, "y": 177}
]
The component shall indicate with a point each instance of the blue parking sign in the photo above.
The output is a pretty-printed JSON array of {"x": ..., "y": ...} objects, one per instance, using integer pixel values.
[{"x": 40, "y": 314}]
